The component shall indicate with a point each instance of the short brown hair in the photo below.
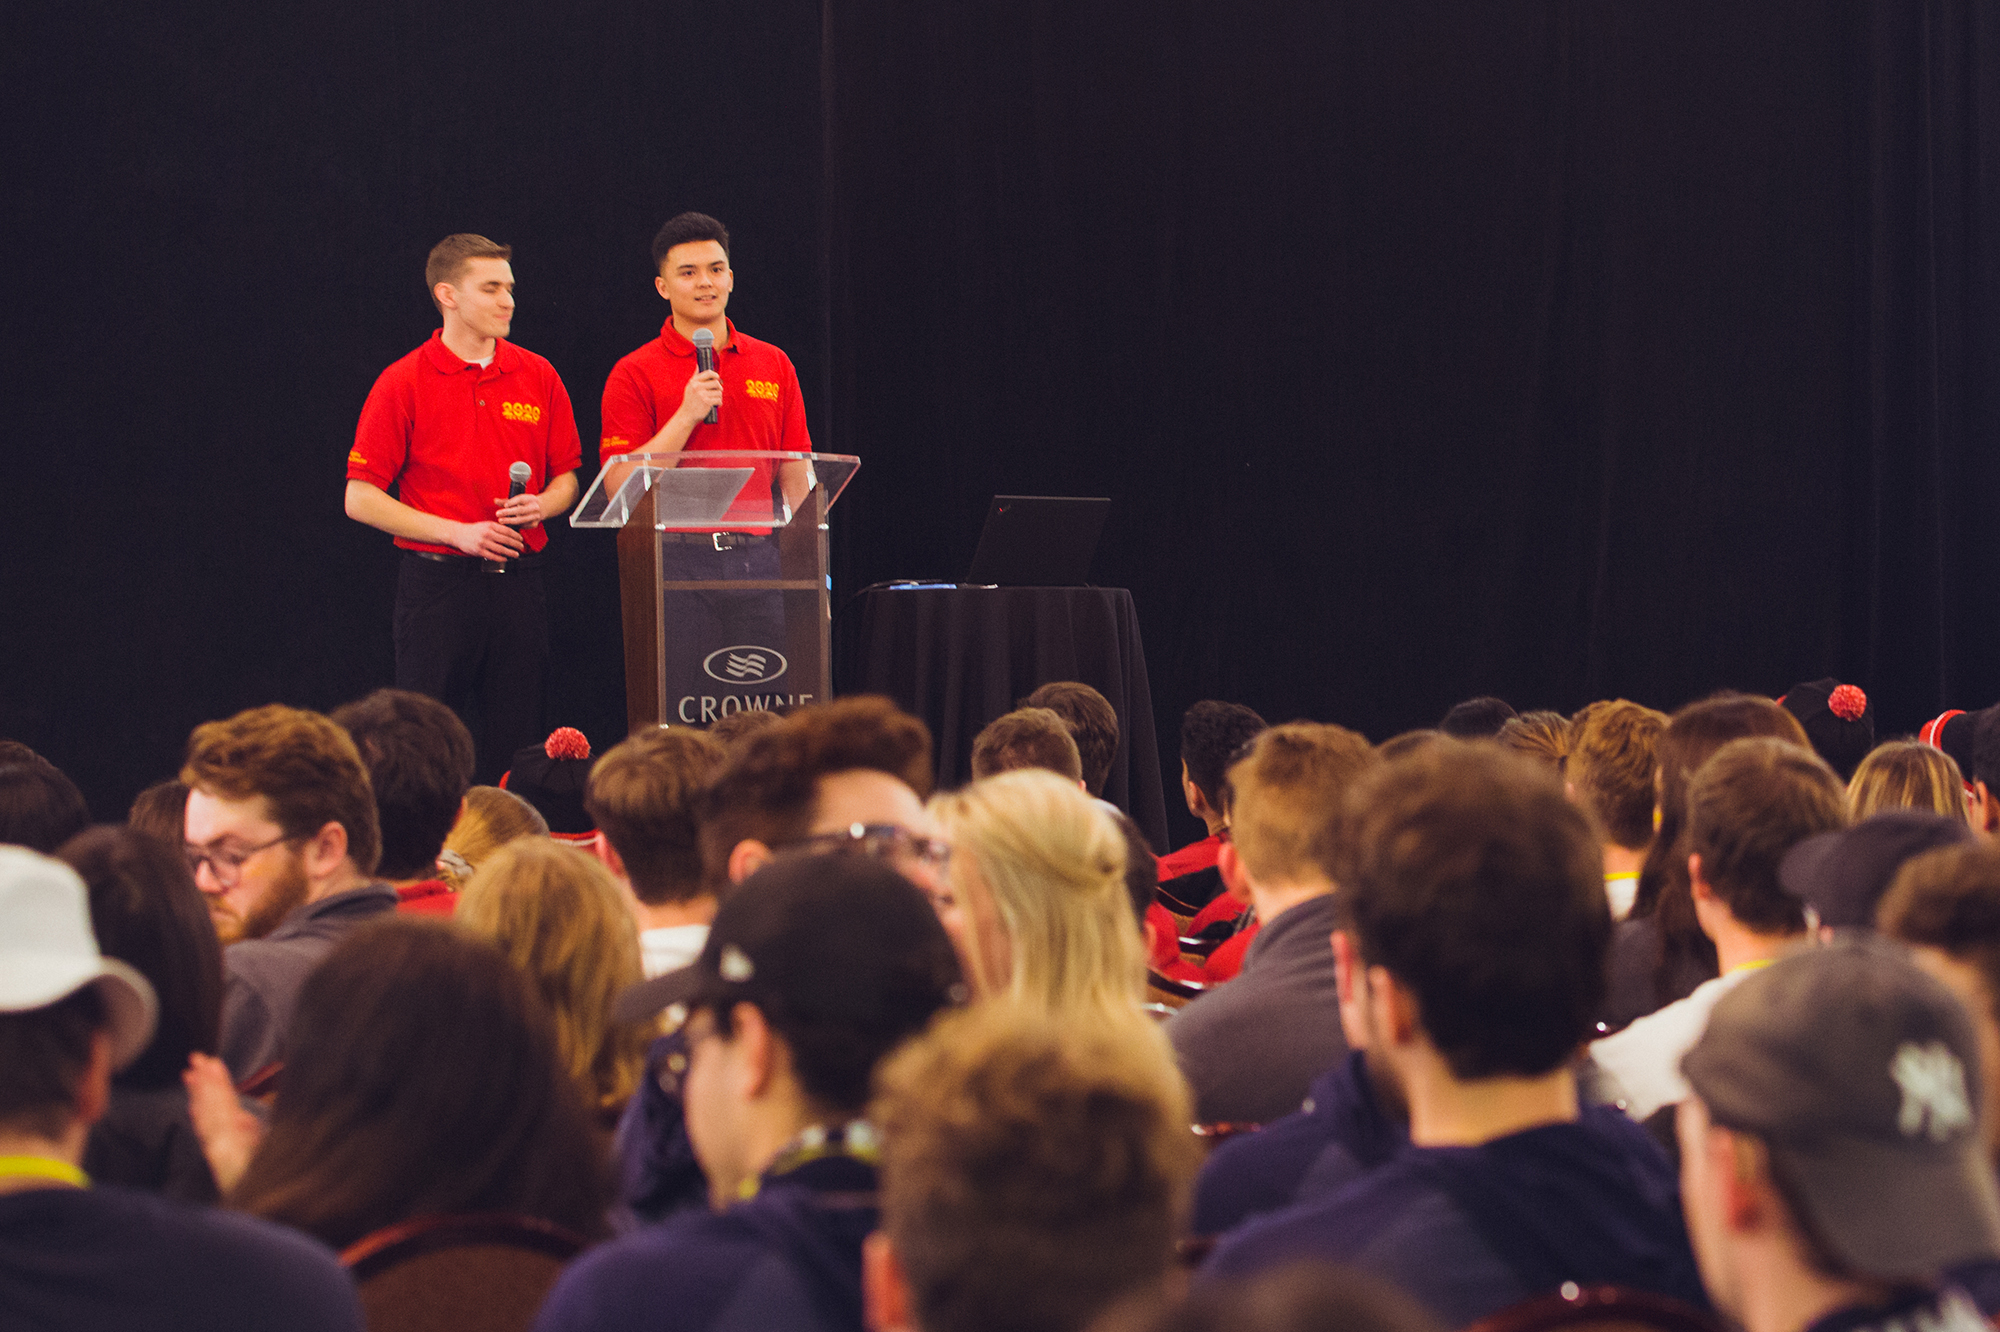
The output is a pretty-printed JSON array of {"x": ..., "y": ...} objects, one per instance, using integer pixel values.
[
  {"x": 767, "y": 789},
  {"x": 1543, "y": 737},
  {"x": 1949, "y": 899},
  {"x": 643, "y": 796},
  {"x": 1026, "y": 738},
  {"x": 1906, "y": 774},
  {"x": 1285, "y": 793},
  {"x": 1092, "y": 722},
  {"x": 1033, "y": 1171},
  {"x": 419, "y": 759},
  {"x": 450, "y": 256},
  {"x": 1611, "y": 763},
  {"x": 303, "y": 764},
  {"x": 1753, "y": 801}
]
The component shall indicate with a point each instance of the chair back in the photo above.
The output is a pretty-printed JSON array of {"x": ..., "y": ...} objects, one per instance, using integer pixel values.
[
  {"x": 1599, "y": 1309},
  {"x": 459, "y": 1273}
]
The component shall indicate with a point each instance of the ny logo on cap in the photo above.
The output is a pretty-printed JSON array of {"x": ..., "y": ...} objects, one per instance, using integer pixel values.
[{"x": 1933, "y": 1083}]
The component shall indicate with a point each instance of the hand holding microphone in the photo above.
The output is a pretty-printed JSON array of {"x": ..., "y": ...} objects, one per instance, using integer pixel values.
[
  {"x": 704, "y": 364},
  {"x": 519, "y": 509}
]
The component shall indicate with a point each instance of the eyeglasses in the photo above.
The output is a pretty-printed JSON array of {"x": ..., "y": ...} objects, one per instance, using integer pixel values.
[
  {"x": 226, "y": 863},
  {"x": 884, "y": 841}
]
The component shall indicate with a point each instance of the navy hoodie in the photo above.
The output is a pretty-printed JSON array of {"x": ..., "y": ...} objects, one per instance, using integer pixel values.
[
  {"x": 1471, "y": 1230},
  {"x": 788, "y": 1258}
]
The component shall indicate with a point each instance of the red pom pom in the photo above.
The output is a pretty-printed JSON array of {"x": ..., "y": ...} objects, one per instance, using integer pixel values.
[
  {"x": 1847, "y": 702},
  {"x": 566, "y": 742}
]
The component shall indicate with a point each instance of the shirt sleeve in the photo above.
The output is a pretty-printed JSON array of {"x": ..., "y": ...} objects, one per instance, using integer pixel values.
[
  {"x": 382, "y": 439},
  {"x": 629, "y": 418}
]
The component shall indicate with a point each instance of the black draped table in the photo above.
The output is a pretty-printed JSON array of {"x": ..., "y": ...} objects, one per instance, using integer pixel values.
[{"x": 960, "y": 656}]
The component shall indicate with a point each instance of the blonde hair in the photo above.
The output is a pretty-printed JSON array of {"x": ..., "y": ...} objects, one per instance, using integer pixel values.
[
  {"x": 491, "y": 818},
  {"x": 1906, "y": 774},
  {"x": 1053, "y": 861},
  {"x": 558, "y": 916},
  {"x": 1283, "y": 795}
]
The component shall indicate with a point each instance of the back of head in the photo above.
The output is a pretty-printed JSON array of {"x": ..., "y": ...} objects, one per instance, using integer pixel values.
[
  {"x": 643, "y": 796},
  {"x": 147, "y": 912},
  {"x": 422, "y": 1077},
  {"x": 1033, "y": 1170},
  {"x": 767, "y": 788},
  {"x": 300, "y": 762},
  {"x": 1477, "y": 718},
  {"x": 419, "y": 758},
  {"x": 1753, "y": 801},
  {"x": 1284, "y": 794},
  {"x": 1467, "y": 874},
  {"x": 1838, "y": 720},
  {"x": 493, "y": 817},
  {"x": 1541, "y": 736},
  {"x": 40, "y": 807},
  {"x": 1610, "y": 765},
  {"x": 1211, "y": 733},
  {"x": 557, "y": 914},
  {"x": 731, "y": 727},
  {"x": 1949, "y": 900},
  {"x": 1026, "y": 738},
  {"x": 1906, "y": 774},
  {"x": 1092, "y": 722},
  {"x": 1053, "y": 862},
  {"x": 160, "y": 811}
]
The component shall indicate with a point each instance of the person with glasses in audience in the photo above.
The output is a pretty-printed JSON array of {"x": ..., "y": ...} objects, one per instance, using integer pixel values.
[{"x": 282, "y": 839}]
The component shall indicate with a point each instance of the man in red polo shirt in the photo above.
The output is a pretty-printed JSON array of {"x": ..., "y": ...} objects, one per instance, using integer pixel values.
[
  {"x": 444, "y": 425},
  {"x": 656, "y": 402}
]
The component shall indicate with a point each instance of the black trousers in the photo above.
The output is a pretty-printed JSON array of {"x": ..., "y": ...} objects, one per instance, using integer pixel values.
[{"x": 477, "y": 642}]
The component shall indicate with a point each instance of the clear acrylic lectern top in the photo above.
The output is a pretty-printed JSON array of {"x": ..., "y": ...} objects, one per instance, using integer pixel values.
[{"x": 712, "y": 490}]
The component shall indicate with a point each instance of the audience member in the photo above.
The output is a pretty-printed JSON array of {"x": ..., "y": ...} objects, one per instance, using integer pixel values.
[
  {"x": 1839, "y": 721},
  {"x": 1305, "y": 1297},
  {"x": 424, "y": 1081},
  {"x": 160, "y": 811},
  {"x": 492, "y": 817},
  {"x": 1842, "y": 876},
  {"x": 1034, "y": 1172},
  {"x": 1092, "y": 723},
  {"x": 282, "y": 837},
  {"x": 813, "y": 971},
  {"x": 1036, "y": 899},
  {"x": 643, "y": 796},
  {"x": 1211, "y": 733},
  {"x": 1610, "y": 771},
  {"x": 731, "y": 727},
  {"x": 1749, "y": 805},
  {"x": 40, "y": 808},
  {"x": 1408, "y": 742},
  {"x": 1541, "y": 737},
  {"x": 147, "y": 913},
  {"x": 1476, "y": 719},
  {"x": 1907, "y": 774},
  {"x": 1831, "y": 1163},
  {"x": 1951, "y": 732},
  {"x": 77, "y": 1256},
  {"x": 1985, "y": 772},
  {"x": 552, "y": 776},
  {"x": 1252, "y": 1047},
  {"x": 558, "y": 916},
  {"x": 1659, "y": 953},
  {"x": 419, "y": 758},
  {"x": 1474, "y": 893},
  {"x": 1026, "y": 738}
]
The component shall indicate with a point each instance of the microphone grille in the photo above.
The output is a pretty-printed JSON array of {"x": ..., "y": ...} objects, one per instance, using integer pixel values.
[
  {"x": 703, "y": 338},
  {"x": 520, "y": 471}
]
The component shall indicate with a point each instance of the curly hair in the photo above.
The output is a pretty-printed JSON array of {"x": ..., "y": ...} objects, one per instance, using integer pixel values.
[{"x": 303, "y": 764}]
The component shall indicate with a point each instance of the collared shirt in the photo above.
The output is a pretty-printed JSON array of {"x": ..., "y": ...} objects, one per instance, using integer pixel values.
[
  {"x": 261, "y": 977},
  {"x": 444, "y": 432}
]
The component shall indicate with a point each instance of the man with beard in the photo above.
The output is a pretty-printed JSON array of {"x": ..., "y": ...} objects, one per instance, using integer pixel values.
[{"x": 282, "y": 839}]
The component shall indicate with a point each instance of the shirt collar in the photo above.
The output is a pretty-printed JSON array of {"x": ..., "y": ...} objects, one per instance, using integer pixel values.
[
  {"x": 671, "y": 338},
  {"x": 445, "y": 361}
]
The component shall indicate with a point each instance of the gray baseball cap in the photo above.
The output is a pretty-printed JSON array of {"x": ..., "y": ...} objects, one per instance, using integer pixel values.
[{"x": 1861, "y": 1075}]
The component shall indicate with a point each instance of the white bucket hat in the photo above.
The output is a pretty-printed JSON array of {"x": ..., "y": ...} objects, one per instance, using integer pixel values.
[{"x": 48, "y": 952}]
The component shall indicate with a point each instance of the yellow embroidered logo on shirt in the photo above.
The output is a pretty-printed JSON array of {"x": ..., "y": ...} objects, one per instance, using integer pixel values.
[
  {"x": 354, "y": 456},
  {"x": 761, "y": 388},
  {"x": 520, "y": 411},
  {"x": 613, "y": 444}
]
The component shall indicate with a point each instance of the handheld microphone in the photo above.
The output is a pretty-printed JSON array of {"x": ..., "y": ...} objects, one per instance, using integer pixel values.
[
  {"x": 517, "y": 484},
  {"x": 704, "y": 360}
]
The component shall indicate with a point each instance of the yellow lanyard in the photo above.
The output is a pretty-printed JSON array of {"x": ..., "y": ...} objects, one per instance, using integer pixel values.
[{"x": 44, "y": 1167}]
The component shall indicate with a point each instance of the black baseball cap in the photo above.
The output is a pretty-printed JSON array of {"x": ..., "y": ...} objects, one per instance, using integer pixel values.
[
  {"x": 839, "y": 941},
  {"x": 1841, "y": 875},
  {"x": 1860, "y": 1073}
]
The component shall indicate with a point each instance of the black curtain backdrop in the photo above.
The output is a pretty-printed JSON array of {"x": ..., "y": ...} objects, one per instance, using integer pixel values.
[{"x": 1553, "y": 350}]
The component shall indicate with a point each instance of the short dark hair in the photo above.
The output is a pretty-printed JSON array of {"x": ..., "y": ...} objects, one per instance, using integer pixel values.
[
  {"x": 40, "y": 807},
  {"x": 305, "y": 766},
  {"x": 44, "y": 1053},
  {"x": 1471, "y": 878},
  {"x": 1754, "y": 800},
  {"x": 685, "y": 227},
  {"x": 767, "y": 789},
  {"x": 644, "y": 795},
  {"x": 1026, "y": 738},
  {"x": 1986, "y": 747},
  {"x": 1477, "y": 718},
  {"x": 161, "y": 811},
  {"x": 147, "y": 912},
  {"x": 1142, "y": 869},
  {"x": 733, "y": 726},
  {"x": 1949, "y": 899},
  {"x": 1092, "y": 722},
  {"x": 449, "y": 257},
  {"x": 1211, "y": 734},
  {"x": 419, "y": 758}
]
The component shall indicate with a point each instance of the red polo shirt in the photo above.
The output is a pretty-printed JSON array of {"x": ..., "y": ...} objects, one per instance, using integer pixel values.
[
  {"x": 761, "y": 407},
  {"x": 445, "y": 431}
]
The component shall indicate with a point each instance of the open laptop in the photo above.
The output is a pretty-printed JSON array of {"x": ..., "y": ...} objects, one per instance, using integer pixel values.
[{"x": 1038, "y": 541}]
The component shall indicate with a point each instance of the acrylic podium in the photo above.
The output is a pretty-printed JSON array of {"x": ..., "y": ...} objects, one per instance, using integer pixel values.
[{"x": 723, "y": 578}]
